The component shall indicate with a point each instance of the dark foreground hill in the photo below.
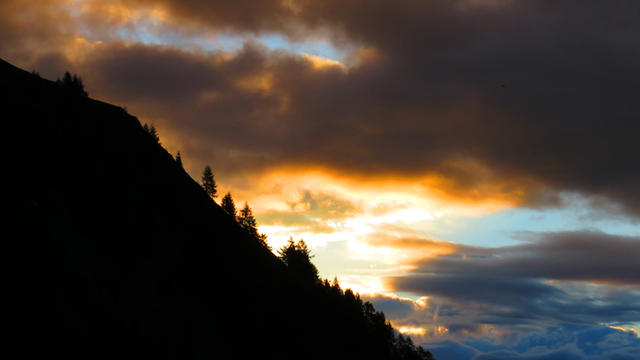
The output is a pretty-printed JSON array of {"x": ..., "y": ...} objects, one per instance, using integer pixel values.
[{"x": 110, "y": 250}]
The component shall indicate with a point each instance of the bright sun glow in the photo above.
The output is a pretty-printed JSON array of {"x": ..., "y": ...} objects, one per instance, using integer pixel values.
[{"x": 384, "y": 223}]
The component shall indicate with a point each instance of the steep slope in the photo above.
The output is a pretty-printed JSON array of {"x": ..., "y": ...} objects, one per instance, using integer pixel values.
[{"x": 111, "y": 250}]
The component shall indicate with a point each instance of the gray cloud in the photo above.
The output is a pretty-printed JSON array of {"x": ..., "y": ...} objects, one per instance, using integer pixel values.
[
  {"x": 583, "y": 255},
  {"x": 395, "y": 308},
  {"x": 582, "y": 277}
]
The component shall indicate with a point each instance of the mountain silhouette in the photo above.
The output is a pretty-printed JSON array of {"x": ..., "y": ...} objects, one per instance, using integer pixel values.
[{"x": 111, "y": 250}]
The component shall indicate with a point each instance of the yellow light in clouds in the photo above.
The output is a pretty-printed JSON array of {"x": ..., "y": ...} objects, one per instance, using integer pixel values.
[
  {"x": 422, "y": 302},
  {"x": 360, "y": 250},
  {"x": 117, "y": 13},
  {"x": 441, "y": 330},
  {"x": 363, "y": 284},
  {"x": 383, "y": 222},
  {"x": 418, "y": 197},
  {"x": 79, "y": 48},
  {"x": 627, "y": 330},
  {"x": 408, "y": 216},
  {"x": 319, "y": 62},
  {"x": 113, "y": 12},
  {"x": 412, "y": 330}
]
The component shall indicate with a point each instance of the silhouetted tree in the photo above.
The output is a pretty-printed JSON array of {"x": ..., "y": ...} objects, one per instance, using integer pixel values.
[
  {"x": 297, "y": 257},
  {"x": 228, "y": 205},
  {"x": 72, "y": 83},
  {"x": 208, "y": 183},
  {"x": 151, "y": 130},
  {"x": 263, "y": 240},
  {"x": 179, "y": 160},
  {"x": 247, "y": 221}
]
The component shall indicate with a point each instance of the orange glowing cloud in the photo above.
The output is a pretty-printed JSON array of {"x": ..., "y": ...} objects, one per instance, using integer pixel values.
[
  {"x": 406, "y": 249},
  {"x": 320, "y": 62},
  {"x": 116, "y": 13},
  {"x": 380, "y": 220}
]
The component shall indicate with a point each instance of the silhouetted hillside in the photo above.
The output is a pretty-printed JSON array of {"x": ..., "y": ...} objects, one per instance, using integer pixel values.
[{"x": 110, "y": 250}]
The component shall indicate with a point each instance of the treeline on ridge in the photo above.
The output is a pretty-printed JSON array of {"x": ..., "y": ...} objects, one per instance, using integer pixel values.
[{"x": 360, "y": 320}]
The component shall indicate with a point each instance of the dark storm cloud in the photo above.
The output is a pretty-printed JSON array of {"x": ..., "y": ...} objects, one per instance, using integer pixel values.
[
  {"x": 550, "y": 278},
  {"x": 255, "y": 109},
  {"x": 584, "y": 255},
  {"x": 33, "y": 34},
  {"x": 393, "y": 307},
  {"x": 139, "y": 73},
  {"x": 479, "y": 288},
  {"x": 516, "y": 99},
  {"x": 540, "y": 93}
]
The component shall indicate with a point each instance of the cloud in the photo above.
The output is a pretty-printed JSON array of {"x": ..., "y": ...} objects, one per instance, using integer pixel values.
[
  {"x": 510, "y": 102},
  {"x": 312, "y": 212},
  {"x": 578, "y": 277},
  {"x": 514, "y": 100},
  {"x": 565, "y": 341},
  {"x": 579, "y": 255}
]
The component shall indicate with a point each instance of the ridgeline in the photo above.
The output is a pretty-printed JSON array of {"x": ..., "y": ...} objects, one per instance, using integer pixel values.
[{"x": 111, "y": 250}]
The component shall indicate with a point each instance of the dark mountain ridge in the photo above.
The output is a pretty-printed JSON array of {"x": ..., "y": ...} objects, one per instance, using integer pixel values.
[{"x": 112, "y": 250}]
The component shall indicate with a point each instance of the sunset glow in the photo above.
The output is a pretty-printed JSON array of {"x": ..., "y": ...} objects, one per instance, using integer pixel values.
[{"x": 468, "y": 166}]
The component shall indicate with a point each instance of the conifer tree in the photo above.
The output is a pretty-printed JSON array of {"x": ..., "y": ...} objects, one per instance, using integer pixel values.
[
  {"x": 247, "y": 221},
  {"x": 179, "y": 160},
  {"x": 228, "y": 205},
  {"x": 72, "y": 83},
  {"x": 151, "y": 130},
  {"x": 263, "y": 240},
  {"x": 297, "y": 256},
  {"x": 208, "y": 183}
]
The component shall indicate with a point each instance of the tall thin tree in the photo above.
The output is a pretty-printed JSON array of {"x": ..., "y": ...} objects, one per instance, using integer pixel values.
[
  {"x": 179, "y": 160},
  {"x": 208, "y": 183},
  {"x": 228, "y": 205},
  {"x": 247, "y": 221}
]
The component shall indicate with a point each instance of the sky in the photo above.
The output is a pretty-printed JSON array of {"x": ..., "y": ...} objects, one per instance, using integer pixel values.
[{"x": 469, "y": 166}]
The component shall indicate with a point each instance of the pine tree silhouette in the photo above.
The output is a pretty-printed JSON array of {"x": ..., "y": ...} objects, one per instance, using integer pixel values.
[
  {"x": 151, "y": 130},
  {"x": 297, "y": 257},
  {"x": 179, "y": 160},
  {"x": 228, "y": 205},
  {"x": 247, "y": 221},
  {"x": 72, "y": 83},
  {"x": 208, "y": 183}
]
